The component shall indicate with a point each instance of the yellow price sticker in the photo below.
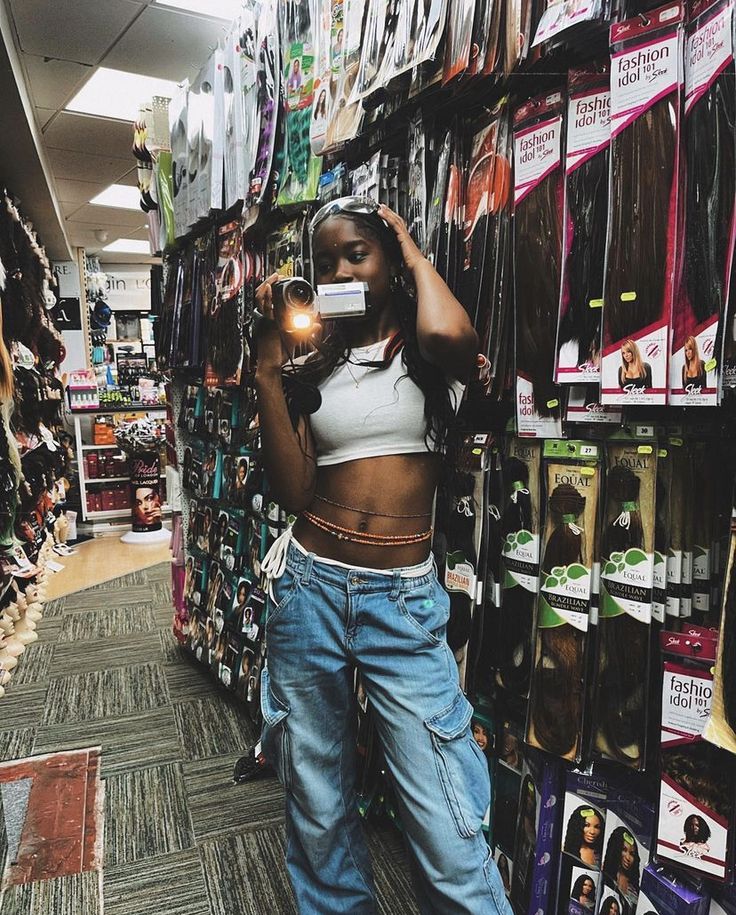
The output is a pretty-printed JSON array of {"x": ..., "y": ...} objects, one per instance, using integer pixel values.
[
  {"x": 551, "y": 404},
  {"x": 645, "y": 449},
  {"x": 710, "y": 365}
]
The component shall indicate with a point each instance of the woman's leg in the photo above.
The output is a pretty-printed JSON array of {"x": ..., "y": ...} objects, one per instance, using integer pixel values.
[
  {"x": 309, "y": 737},
  {"x": 440, "y": 774}
]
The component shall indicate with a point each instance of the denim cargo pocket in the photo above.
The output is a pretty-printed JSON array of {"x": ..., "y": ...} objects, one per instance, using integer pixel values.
[
  {"x": 462, "y": 767},
  {"x": 275, "y": 736},
  {"x": 283, "y": 589},
  {"x": 427, "y": 607},
  {"x": 495, "y": 884}
]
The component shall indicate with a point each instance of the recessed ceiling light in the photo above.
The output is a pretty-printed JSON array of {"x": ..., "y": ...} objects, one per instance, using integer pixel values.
[
  {"x": 116, "y": 94},
  {"x": 216, "y": 9},
  {"x": 128, "y": 246},
  {"x": 121, "y": 196}
]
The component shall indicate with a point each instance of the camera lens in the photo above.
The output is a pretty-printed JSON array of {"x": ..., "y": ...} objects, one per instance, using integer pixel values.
[{"x": 298, "y": 294}]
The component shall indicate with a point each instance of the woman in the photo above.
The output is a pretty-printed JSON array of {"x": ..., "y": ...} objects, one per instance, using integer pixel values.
[
  {"x": 697, "y": 833},
  {"x": 610, "y": 906},
  {"x": 633, "y": 370},
  {"x": 583, "y": 891},
  {"x": 356, "y": 586},
  {"x": 693, "y": 371},
  {"x": 621, "y": 864},
  {"x": 584, "y": 835}
]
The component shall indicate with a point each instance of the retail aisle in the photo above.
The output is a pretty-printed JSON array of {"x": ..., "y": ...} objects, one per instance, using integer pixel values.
[{"x": 179, "y": 837}]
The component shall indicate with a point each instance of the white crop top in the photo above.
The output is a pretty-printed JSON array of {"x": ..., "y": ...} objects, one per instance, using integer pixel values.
[{"x": 367, "y": 412}]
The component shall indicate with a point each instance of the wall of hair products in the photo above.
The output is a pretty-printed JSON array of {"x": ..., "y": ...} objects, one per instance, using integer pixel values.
[
  {"x": 568, "y": 167},
  {"x": 35, "y": 450}
]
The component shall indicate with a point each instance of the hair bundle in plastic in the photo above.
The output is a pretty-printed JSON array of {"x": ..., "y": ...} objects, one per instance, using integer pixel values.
[
  {"x": 728, "y": 636},
  {"x": 538, "y": 256},
  {"x": 710, "y": 188},
  {"x": 637, "y": 271},
  {"x": 517, "y": 605},
  {"x": 586, "y": 212},
  {"x": 624, "y": 642},
  {"x": 556, "y": 694}
]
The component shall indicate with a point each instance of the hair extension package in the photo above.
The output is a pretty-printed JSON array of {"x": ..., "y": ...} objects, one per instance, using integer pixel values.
[
  {"x": 506, "y": 787},
  {"x": 520, "y": 523},
  {"x": 646, "y": 55},
  {"x": 538, "y": 196},
  {"x": 586, "y": 210},
  {"x": 625, "y": 615},
  {"x": 720, "y": 728},
  {"x": 709, "y": 207},
  {"x": 626, "y": 844},
  {"x": 584, "y": 406},
  {"x": 697, "y": 785},
  {"x": 664, "y": 893},
  {"x": 557, "y": 692},
  {"x": 581, "y": 841},
  {"x": 537, "y": 833}
]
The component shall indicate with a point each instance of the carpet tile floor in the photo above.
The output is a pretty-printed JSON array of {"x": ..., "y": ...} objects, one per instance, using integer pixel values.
[{"x": 179, "y": 837}]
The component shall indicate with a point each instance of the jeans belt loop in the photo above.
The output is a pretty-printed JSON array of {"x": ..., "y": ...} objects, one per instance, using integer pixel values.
[
  {"x": 307, "y": 570},
  {"x": 395, "y": 585}
]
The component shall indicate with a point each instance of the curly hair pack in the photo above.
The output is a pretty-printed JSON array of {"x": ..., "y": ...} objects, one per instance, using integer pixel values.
[{"x": 646, "y": 55}]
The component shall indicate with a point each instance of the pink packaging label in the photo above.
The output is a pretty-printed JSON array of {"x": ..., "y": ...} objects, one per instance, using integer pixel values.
[
  {"x": 536, "y": 155},
  {"x": 641, "y": 76},
  {"x": 650, "y": 348},
  {"x": 708, "y": 51},
  {"x": 529, "y": 423}
]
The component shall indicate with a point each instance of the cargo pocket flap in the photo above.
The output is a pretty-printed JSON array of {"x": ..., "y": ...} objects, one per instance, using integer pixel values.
[
  {"x": 273, "y": 709},
  {"x": 452, "y": 721}
]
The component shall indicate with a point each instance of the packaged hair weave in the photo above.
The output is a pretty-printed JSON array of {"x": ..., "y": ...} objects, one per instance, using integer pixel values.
[
  {"x": 581, "y": 842},
  {"x": 538, "y": 191},
  {"x": 556, "y": 696},
  {"x": 721, "y": 726},
  {"x": 697, "y": 782},
  {"x": 709, "y": 207},
  {"x": 586, "y": 211},
  {"x": 626, "y": 843},
  {"x": 625, "y": 615},
  {"x": 640, "y": 252},
  {"x": 520, "y": 528}
]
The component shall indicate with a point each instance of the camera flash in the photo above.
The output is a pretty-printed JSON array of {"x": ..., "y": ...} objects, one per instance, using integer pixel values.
[{"x": 301, "y": 321}]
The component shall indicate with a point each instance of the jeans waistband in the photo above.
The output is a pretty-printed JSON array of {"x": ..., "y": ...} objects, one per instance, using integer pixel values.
[{"x": 394, "y": 581}]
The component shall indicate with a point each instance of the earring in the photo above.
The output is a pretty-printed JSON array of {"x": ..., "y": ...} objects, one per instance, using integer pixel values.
[{"x": 395, "y": 284}]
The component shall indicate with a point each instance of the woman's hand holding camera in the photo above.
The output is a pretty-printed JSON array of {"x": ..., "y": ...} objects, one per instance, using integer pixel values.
[{"x": 272, "y": 348}]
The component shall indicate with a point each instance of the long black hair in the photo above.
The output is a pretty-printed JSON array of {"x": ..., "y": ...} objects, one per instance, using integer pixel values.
[
  {"x": 439, "y": 410},
  {"x": 574, "y": 839},
  {"x": 612, "y": 859}
]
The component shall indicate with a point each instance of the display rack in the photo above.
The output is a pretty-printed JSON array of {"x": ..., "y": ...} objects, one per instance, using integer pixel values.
[{"x": 81, "y": 429}]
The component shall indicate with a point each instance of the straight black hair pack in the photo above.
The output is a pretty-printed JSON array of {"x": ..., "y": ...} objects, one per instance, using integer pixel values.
[
  {"x": 646, "y": 78},
  {"x": 586, "y": 209},
  {"x": 625, "y": 615},
  {"x": 709, "y": 206},
  {"x": 520, "y": 528},
  {"x": 557, "y": 693},
  {"x": 538, "y": 194}
]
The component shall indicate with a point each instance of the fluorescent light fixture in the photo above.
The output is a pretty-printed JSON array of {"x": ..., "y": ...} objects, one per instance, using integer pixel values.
[
  {"x": 121, "y": 196},
  {"x": 116, "y": 94},
  {"x": 216, "y": 9},
  {"x": 128, "y": 246}
]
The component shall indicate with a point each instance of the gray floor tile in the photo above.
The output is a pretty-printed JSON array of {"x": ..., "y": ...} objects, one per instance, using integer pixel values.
[
  {"x": 16, "y": 744},
  {"x": 218, "y": 806},
  {"x": 170, "y": 885},
  {"x": 142, "y": 739},
  {"x": 113, "y": 693},
  {"x": 146, "y": 815},
  {"x": 124, "y": 620},
  {"x": 79, "y": 894},
  {"x": 102, "y": 654},
  {"x": 23, "y": 706},
  {"x": 34, "y": 665},
  {"x": 210, "y": 727}
]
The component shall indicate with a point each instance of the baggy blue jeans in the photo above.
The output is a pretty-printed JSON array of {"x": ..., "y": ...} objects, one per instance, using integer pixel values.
[{"x": 323, "y": 621}]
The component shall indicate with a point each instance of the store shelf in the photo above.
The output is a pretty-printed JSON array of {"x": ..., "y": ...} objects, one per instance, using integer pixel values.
[
  {"x": 114, "y": 479},
  {"x": 95, "y": 447},
  {"x": 121, "y": 408},
  {"x": 122, "y": 512}
]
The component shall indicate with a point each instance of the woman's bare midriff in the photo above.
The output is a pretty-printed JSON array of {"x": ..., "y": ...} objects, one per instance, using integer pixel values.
[{"x": 399, "y": 484}]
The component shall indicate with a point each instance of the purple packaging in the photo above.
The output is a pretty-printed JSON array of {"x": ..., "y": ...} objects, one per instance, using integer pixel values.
[
  {"x": 537, "y": 834},
  {"x": 669, "y": 895},
  {"x": 630, "y": 821}
]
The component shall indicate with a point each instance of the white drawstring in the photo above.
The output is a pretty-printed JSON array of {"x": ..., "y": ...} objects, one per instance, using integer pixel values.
[
  {"x": 575, "y": 529},
  {"x": 515, "y": 494},
  {"x": 623, "y": 520},
  {"x": 274, "y": 562}
]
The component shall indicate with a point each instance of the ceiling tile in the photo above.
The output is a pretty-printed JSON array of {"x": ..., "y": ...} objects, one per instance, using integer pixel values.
[
  {"x": 69, "y": 29},
  {"x": 166, "y": 44},
  {"x": 42, "y": 116},
  {"x": 77, "y": 166},
  {"x": 108, "y": 216},
  {"x": 53, "y": 82},
  {"x": 80, "y": 132},
  {"x": 77, "y": 192}
]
